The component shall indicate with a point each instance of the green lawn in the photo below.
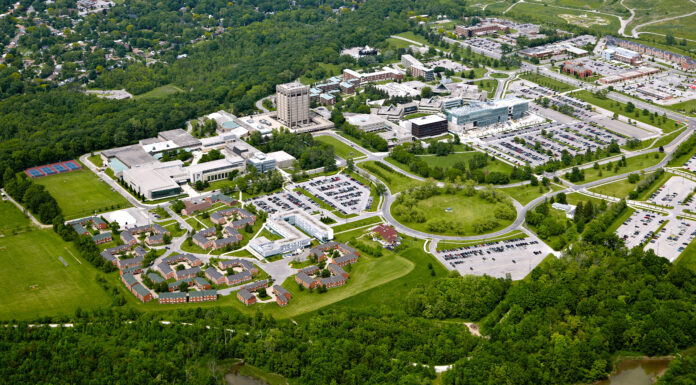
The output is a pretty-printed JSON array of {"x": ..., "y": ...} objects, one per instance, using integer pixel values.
[
  {"x": 668, "y": 125},
  {"x": 655, "y": 185},
  {"x": 360, "y": 223},
  {"x": 525, "y": 193},
  {"x": 499, "y": 75},
  {"x": 547, "y": 82},
  {"x": 453, "y": 245},
  {"x": 688, "y": 107},
  {"x": 488, "y": 85},
  {"x": 80, "y": 193},
  {"x": 618, "y": 189},
  {"x": 449, "y": 161},
  {"x": 412, "y": 36},
  {"x": 574, "y": 198},
  {"x": 397, "y": 43},
  {"x": 160, "y": 92},
  {"x": 37, "y": 283},
  {"x": 96, "y": 160},
  {"x": 688, "y": 257},
  {"x": 465, "y": 212},
  {"x": 341, "y": 149},
  {"x": 395, "y": 181},
  {"x": 634, "y": 163},
  {"x": 13, "y": 220}
]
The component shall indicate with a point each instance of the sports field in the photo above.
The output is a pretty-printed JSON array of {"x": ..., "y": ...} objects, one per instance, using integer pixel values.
[
  {"x": 80, "y": 193},
  {"x": 13, "y": 221},
  {"x": 36, "y": 283}
]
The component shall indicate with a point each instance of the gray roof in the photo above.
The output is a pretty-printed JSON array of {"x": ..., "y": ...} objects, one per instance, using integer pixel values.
[
  {"x": 140, "y": 289},
  {"x": 164, "y": 268},
  {"x": 332, "y": 279},
  {"x": 130, "y": 279},
  {"x": 231, "y": 231},
  {"x": 178, "y": 283},
  {"x": 190, "y": 258},
  {"x": 172, "y": 295},
  {"x": 200, "y": 281},
  {"x": 246, "y": 294},
  {"x": 309, "y": 269},
  {"x": 255, "y": 285},
  {"x": 226, "y": 264},
  {"x": 108, "y": 256},
  {"x": 198, "y": 237},
  {"x": 225, "y": 241},
  {"x": 193, "y": 270},
  {"x": 202, "y": 293},
  {"x": 239, "y": 276},
  {"x": 127, "y": 237},
  {"x": 117, "y": 249},
  {"x": 281, "y": 291},
  {"x": 131, "y": 261},
  {"x": 133, "y": 155},
  {"x": 213, "y": 273},
  {"x": 334, "y": 268},
  {"x": 303, "y": 277},
  {"x": 180, "y": 137},
  {"x": 139, "y": 251},
  {"x": 155, "y": 278}
]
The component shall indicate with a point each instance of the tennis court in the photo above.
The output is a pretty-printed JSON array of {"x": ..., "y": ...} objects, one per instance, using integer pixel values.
[{"x": 53, "y": 169}]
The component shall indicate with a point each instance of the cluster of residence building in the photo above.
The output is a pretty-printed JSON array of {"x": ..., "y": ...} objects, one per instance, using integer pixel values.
[
  {"x": 232, "y": 219},
  {"x": 337, "y": 255}
]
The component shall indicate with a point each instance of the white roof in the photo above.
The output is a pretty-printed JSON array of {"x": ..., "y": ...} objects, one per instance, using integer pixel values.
[
  {"x": 280, "y": 156},
  {"x": 364, "y": 119},
  {"x": 428, "y": 119},
  {"x": 203, "y": 167},
  {"x": 160, "y": 146}
]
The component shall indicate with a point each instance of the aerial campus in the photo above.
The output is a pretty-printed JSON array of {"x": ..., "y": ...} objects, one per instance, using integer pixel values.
[
  {"x": 456, "y": 149},
  {"x": 583, "y": 122}
]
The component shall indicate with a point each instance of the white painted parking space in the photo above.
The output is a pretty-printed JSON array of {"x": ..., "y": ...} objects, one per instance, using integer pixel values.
[
  {"x": 673, "y": 192},
  {"x": 673, "y": 239},
  {"x": 639, "y": 227},
  {"x": 341, "y": 192},
  {"x": 285, "y": 201}
]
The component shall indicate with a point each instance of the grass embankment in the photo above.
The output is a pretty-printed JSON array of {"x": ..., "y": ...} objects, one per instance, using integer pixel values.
[{"x": 547, "y": 82}]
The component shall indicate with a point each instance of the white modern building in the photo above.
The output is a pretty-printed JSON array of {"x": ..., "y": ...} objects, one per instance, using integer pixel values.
[
  {"x": 281, "y": 158},
  {"x": 157, "y": 180},
  {"x": 285, "y": 224},
  {"x": 214, "y": 170},
  {"x": 367, "y": 122}
]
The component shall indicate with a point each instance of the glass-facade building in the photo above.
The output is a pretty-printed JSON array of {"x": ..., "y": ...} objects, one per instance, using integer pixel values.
[{"x": 481, "y": 114}]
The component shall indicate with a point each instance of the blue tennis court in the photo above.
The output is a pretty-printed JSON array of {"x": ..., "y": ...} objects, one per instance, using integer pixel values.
[
  {"x": 47, "y": 170},
  {"x": 72, "y": 165},
  {"x": 59, "y": 168},
  {"x": 34, "y": 173}
]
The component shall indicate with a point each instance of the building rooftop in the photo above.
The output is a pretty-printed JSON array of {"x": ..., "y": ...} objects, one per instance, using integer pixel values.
[{"x": 428, "y": 119}]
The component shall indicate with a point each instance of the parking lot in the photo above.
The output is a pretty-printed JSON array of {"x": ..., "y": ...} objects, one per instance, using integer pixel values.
[
  {"x": 341, "y": 192},
  {"x": 478, "y": 44},
  {"x": 639, "y": 227},
  {"x": 539, "y": 144},
  {"x": 665, "y": 88},
  {"x": 673, "y": 192},
  {"x": 516, "y": 257},
  {"x": 284, "y": 201},
  {"x": 673, "y": 238},
  {"x": 691, "y": 164}
]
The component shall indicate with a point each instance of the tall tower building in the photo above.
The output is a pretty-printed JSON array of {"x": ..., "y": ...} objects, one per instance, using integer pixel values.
[{"x": 292, "y": 102}]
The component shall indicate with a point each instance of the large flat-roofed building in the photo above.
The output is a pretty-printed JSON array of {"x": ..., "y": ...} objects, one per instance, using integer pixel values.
[
  {"x": 431, "y": 125},
  {"x": 123, "y": 158},
  {"x": 292, "y": 101},
  {"x": 623, "y": 55},
  {"x": 480, "y": 29},
  {"x": 481, "y": 114},
  {"x": 416, "y": 68},
  {"x": 284, "y": 224},
  {"x": 308, "y": 223},
  {"x": 214, "y": 170},
  {"x": 281, "y": 158},
  {"x": 387, "y": 73},
  {"x": 262, "y": 162},
  {"x": 157, "y": 180},
  {"x": 367, "y": 122},
  {"x": 180, "y": 137}
]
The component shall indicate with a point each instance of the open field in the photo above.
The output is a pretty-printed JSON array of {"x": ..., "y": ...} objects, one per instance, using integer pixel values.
[
  {"x": 646, "y": 10},
  {"x": 360, "y": 223},
  {"x": 668, "y": 125},
  {"x": 395, "y": 181},
  {"x": 488, "y": 85},
  {"x": 526, "y": 193},
  {"x": 499, "y": 75},
  {"x": 550, "y": 14},
  {"x": 618, "y": 189},
  {"x": 451, "y": 159},
  {"x": 412, "y": 36},
  {"x": 634, "y": 163},
  {"x": 397, "y": 43},
  {"x": 341, "y": 149},
  {"x": 462, "y": 211},
  {"x": 13, "y": 220},
  {"x": 80, "y": 193},
  {"x": 160, "y": 92},
  {"x": 38, "y": 284},
  {"x": 574, "y": 198},
  {"x": 687, "y": 108},
  {"x": 679, "y": 28},
  {"x": 547, "y": 82}
]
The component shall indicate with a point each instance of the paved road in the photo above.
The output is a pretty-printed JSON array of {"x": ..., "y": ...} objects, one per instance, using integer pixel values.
[{"x": 26, "y": 212}]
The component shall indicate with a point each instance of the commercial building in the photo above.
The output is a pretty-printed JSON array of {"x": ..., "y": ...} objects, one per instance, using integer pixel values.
[
  {"x": 685, "y": 62},
  {"x": 367, "y": 122},
  {"x": 214, "y": 170},
  {"x": 629, "y": 75},
  {"x": 387, "y": 73},
  {"x": 281, "y": 159},
  {"x": 416, "y": 68},
  {"x": 156, "y": 180},
  {"x": 623, "y": 55},
  {"x": 292, "y": 102},
  {"x": 481, "y": 114},
  {"x": 431, "y": 125},
  {"x": 484, "y": 28},
  {"x": 578, "y": 69},
  {"x": 262, "y": 162}
]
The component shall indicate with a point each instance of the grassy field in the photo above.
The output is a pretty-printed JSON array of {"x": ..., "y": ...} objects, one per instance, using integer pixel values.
[
  {"x": 646, "y": 11},
  {"x": 36, "y": 282},
  {"x": 395, "y": 181},
  {"x": 608, "y": 104},
  {"x": 80, "y": 193},
  {"x": 688, "y": 107},
  {"x": 341, "y": 149},
  {"x": 360, "y": 223},
  {"x": 499, "y": 75},
  {"x": 160, "y": 92},
  {"x": 453, "y": 245},
  {"x": 96, "y": 160},
  {"x": 574, "y": 198},
  {"x": 13, "y": 220},
  {"x": 547, "y": 82},
  {"x": 543, "y": 13},
  {"x": 488, "y": 85},
  {"x": 618, "y": 189},
  {"x": 634, "y": 163},
  {"x": 465, "y": 212},
  {"x": 655, "y": 185},
  {"x": 525, "y": 193},
  {"x": 688, "y": 257},
  {"x": 451, "y": 159},
  {"x": 398, "y": 43},
  {"x": 412, "y": 36}
]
